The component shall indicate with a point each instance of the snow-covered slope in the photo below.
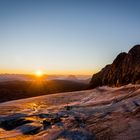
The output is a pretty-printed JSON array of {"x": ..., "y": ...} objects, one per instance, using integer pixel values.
[{"x": 103, "y": 113}]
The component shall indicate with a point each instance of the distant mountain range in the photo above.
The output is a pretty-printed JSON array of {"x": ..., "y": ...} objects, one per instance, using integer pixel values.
[
  {"x": 15, "y": 77},
  {"x": 74, "y": 78},
  {"x": 125, "y": 69},
  {"x": 27, "y": 77}
]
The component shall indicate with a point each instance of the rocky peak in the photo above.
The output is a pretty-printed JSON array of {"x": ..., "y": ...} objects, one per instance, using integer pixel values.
[
  {"x": 125, "y": 69},
  {"x": 135, "y": 50},
  {"x": 119, "y": 58}
]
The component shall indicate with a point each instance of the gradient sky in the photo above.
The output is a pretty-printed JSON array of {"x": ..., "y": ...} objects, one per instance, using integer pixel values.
[{"x": 65, "y": 36}]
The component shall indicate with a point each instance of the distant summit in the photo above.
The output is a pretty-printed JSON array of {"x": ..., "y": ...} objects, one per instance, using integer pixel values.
[
  {"x": 125, "y": 69},
  {"x": 72, "y": 78}
]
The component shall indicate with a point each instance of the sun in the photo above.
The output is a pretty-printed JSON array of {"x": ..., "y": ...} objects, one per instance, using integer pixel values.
[{"x": 38, "y": 73}]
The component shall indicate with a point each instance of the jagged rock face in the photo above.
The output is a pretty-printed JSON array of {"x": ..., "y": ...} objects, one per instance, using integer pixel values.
[{"x": 125, "y": 69}]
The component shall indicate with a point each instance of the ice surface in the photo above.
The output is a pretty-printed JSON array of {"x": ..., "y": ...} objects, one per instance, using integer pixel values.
[{"x": 104, "y": 112}]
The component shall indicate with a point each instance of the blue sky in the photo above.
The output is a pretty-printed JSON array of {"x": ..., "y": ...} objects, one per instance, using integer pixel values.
[{"x": 65, "y": 36}]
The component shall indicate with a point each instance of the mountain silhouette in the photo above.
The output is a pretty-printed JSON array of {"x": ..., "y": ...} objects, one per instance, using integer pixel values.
[
  {"x": 72, "y": 78},
  {"x": 125, "y": 69}
]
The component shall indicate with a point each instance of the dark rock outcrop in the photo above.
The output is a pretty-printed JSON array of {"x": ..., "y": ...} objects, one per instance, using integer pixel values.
[{"x": 125, "y": 69}]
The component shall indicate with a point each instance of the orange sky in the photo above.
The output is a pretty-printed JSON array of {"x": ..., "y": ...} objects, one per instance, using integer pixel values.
[{"x": 55, "y": 72}]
